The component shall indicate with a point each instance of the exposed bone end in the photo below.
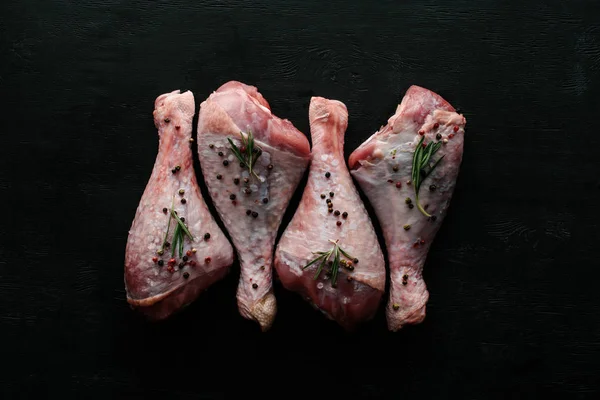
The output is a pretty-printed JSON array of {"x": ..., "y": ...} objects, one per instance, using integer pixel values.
[
  {"x": 396, "y": 320},
  {"x": 408, "y": 298},
  {"x": 264, "y": 311}
]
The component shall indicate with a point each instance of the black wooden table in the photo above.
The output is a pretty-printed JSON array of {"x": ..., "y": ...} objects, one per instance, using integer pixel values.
[{"x": 513, "y": 273}]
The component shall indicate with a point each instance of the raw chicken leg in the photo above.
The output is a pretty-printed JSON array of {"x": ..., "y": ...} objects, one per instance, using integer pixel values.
[
  {"x": 383, "y": 167},
  {"x": 252, "y": 162},
  {"x": 165, "y": 269},
  {"x": 332, "y": 218}
]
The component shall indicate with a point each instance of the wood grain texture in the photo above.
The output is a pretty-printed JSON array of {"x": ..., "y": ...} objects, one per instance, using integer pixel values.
[{"x": 512, "y": 274}]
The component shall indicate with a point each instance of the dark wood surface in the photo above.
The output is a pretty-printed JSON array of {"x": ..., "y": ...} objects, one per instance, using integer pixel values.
[{"x": 513, "y": 274}]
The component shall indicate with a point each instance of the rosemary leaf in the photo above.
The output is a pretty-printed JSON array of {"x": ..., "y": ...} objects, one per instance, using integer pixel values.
[
  {"x": 321, "y": 266},
  {"x": 348, "y": 256},
  {"x": 250, "y": 143},
  {"x": 336, "y": 264},
  {"x": 181, "y": 246},
  {"x": 436, "y": 163},
  {"x": 314, "y": 261},
  {"x": 416, "y": 158},
  {"x": 428, "y": 149},
  {"x": 176, "y": 239}
]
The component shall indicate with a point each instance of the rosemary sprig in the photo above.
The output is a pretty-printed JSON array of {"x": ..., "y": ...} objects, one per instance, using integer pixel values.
[
  {"x": 421, "y": 168},
  {"x": 323, "y": 257},
  {"x": 178, "y": 234},
  {"x": 251, "y": 153}
]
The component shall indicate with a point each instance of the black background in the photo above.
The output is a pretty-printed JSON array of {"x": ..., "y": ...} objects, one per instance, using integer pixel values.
[{"x": 513, "y": 274}]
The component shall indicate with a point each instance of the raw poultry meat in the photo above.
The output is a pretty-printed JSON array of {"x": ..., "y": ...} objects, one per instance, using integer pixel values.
[
  {"x": 410, "y": 190},
  {"x": 175, "y": 248},
  {"x": 252, "y": 162},
  {"x": 331, "y": 227}
]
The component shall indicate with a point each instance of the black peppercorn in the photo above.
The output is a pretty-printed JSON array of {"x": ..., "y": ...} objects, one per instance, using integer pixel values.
[
  {"x": 265, "y": 200},
  {"x": 432, "y": 188},
  {"x": 270, "y": 167},
  {"x": 167, "y": 244},
  {"x": 331, "y": 194},
  {"x": 219, "y": 176},
  {"x": 355, "y": 261},
  {"x": 336, "y": 213},
  {"x": 254, "y": 286},
  {"x": 211, "y": 146},
  {"x": 438, "y": 136},
  {"x": 177, "y": 168},
  {"x": 248, "y": 212},
  {"x": 167, "y": 120},
  {"x": 327, "y": 174},
  {"x": 330, "y": 210},
  {"x": 225, "y": 162},
  {"x": 185, "y": 258},
  {"x": 165, "y": 210},
  {"x": 328, "y": 201},
  {"x": 206, "y": 236},
  {"x": 395, "y": 168},
  {"x": 186, "y": 275},
  {"x": 220, "y": 154},
  {"x": 182, "y": 219},
  {"x": 247, "y": 191},
  {"x": 183, "y": 201},
  {"x": 338, "y": 223},
  {"x": 254, "y": 214},
  {"x": 411, "y": 206},
  {"x": 236, "y": 181},
  {"x": 322, "y": 196},
  {"x": 161, "y": 263},
  {"x": 232, "y": 196},
  {"x": 344, "y": 214}
]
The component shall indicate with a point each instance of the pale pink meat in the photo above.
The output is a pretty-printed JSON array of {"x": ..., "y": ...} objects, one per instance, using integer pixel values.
[
  {"x": 382, "y": 166},
  {"x": 157, "y": 290},
  {"x": 355, "y": 295},
  {"x": 251, "y": 208}
]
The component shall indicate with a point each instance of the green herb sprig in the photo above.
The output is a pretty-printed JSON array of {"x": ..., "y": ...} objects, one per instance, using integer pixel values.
[
  {"x": 323, "y": 257},
  {"x": 251, "y": 153},
  {"x": 178, "y": 234},
  {"x": 421, "y": 168}
]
